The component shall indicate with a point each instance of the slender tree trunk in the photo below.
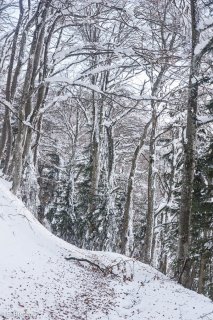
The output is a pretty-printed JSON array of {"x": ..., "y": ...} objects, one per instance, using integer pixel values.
[
  {"x": 18, "y": 152},
  {"x": 7, "y": 135},
  {"x": 4, "y": 132},
  {"x": 128, "y": 217},
  {"x": 147, "y": 255},
  {"x": 110, "y": 203},
  {"x": 201, "y": 282},
  {"x": 189, "y": 159},
  {"x": 95, "y": 153}
]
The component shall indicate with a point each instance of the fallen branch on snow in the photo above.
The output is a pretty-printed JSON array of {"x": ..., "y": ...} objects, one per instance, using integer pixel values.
[{"x": 106, "y": 270}]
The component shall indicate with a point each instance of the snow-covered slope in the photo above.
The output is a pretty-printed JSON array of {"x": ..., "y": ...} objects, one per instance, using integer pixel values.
[{"x": 37, "y": 282}]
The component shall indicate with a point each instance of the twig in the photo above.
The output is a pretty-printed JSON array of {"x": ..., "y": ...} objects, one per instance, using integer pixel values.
[
  {"x": 105, "y": 270},
  {"x": 88, "y": 261},
  {"x": 206, "y": 315}
]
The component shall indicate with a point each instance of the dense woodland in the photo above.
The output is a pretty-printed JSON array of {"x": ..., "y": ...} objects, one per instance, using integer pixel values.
[{"x": 106, "y": 118}]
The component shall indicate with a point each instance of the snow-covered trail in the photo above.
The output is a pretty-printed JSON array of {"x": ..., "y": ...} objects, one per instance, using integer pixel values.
[{"x": 36, "y": 282}]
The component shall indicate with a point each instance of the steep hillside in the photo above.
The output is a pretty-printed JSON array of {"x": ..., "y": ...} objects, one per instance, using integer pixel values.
[{"x": 37, "y": 282}]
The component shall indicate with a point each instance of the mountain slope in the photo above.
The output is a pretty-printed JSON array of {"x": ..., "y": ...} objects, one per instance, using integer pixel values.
[{"x": 37, "y": 282}]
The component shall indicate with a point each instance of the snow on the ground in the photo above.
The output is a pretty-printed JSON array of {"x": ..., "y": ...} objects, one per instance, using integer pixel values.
[{"x": 37, "y": 282}]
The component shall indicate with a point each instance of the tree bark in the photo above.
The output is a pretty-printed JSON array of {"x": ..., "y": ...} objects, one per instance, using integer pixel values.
[
  {"x": 147, "y": 254},
  {"x": 7, "y": 135},
  {"x": 23, "y": 140},
  {"x": 189, "y": 156},
  {"x": 128, "y": 218}
]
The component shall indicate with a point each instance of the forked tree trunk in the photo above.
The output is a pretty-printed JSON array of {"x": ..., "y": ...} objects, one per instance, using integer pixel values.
[{"x": 23, "y": 140}]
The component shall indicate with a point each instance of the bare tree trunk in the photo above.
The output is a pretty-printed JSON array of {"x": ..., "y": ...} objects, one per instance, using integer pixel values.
[
  {"x": 4, "y": 132},
  {"x": 95, "y": 152},
  {"x": 18, "y": 154},
  {"x": 147, "y": 254},
  {"x": 189, "y": 149},
  {"x": 7, "y": 136},
  {"x": 23, "y": 140},
  {"x": 128, "y": 218},
  {"x": 202, "y": 273},
  {"x": 189, "y": 158}
]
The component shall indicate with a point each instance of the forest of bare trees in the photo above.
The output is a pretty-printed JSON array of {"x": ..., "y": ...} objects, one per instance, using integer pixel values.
[{"x": 106, "y": 118}]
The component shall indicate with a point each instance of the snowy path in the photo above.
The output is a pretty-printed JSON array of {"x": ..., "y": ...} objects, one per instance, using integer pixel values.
[{"x": 36, "y": 282}]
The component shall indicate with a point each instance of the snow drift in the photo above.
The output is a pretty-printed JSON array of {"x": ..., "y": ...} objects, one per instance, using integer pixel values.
[{"x": 37, "y": 282}]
